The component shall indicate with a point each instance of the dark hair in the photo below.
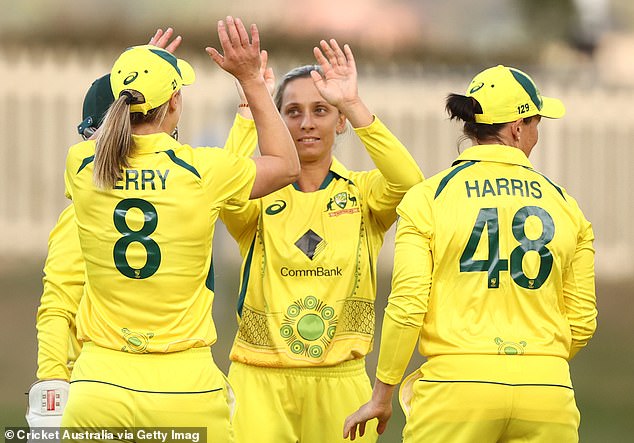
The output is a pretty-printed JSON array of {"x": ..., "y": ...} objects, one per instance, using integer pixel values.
[
  {"x": 299, "y": 72},
  {"x": 461, "y": 107}
]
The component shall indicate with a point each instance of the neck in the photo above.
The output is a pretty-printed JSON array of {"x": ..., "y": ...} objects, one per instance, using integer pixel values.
[
  {"x": 147, "y": 128},
  {"x": 312, "y": 175}
]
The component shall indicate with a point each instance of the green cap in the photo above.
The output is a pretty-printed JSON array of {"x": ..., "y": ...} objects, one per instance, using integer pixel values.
[{"x": 96, "y": 102}]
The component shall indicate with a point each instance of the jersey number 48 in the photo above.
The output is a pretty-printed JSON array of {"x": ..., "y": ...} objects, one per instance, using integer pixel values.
[{"x": 488, "y": 218}]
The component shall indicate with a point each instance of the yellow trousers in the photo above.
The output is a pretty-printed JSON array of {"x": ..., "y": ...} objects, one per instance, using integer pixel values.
[
  {"x": 493, "y": 398},
  {"x": 304, "y": 405},
  {"x": 119, "y": 390}
]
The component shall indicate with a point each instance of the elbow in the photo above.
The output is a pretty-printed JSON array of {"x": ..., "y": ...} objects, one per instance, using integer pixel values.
[{"x": 294, "y": 172}]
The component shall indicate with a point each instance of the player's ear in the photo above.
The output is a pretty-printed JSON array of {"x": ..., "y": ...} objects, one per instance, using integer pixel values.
[
  {"x": 516, "y": 128},
  {"x": 175, "y": 101},
  {"x": 341, "y": 124}
]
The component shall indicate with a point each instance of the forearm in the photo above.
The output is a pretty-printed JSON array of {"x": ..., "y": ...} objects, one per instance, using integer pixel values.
[
  {"x": 242, "y": 138},
  {"x": 382, "y": 393},
  {"x": 273, "y": 136},
  {"x": 579, "y": 294},
  {"x": 397, "y": 346},
  {"x": 390, "y": 156},
  {"x": 52, "y": 350},
  {"x": 357, "y": 113},
  {"x": 411, "y": 285}
]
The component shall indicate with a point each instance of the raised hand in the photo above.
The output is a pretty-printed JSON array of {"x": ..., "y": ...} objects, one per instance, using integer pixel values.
[
  {"x": 338, "y": 84},
  {"x": 161, "y": 39},
  {"x": 267, "y": 74},
  {"x": 241, "y": 54}
]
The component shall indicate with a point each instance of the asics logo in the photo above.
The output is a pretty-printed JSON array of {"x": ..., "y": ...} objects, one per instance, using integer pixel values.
[
  {"x": 476, "y": 87},
  {"x": 130, "y": 78},
  {"x": 276, "y": 207}
]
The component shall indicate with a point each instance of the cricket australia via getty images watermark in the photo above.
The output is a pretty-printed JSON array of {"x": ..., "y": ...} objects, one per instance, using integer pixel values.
[{"x": 150, "y": 435}]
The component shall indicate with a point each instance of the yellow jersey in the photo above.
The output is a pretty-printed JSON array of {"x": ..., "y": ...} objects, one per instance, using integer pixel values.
[
  {"x": 491, "y": 257},
  {"x": 147, "y": 243},
  {"x": 63, "y": 281},
  {"x": 309, "y": 260}
]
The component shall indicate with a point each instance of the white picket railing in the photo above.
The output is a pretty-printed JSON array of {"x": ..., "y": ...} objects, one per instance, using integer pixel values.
[{"x": 588, "y": 152}]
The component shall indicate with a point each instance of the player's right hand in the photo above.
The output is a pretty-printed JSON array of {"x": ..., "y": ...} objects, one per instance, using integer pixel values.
[
  {"x": 241, "y": 51},
  {"x": 269, "y": 79},
  {"x": 47, "y": 400}
]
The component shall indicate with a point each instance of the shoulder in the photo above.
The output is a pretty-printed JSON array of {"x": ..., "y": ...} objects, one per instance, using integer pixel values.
[
  {"x": 82, "y": 149},
  {"x": 80, "y": 155}
]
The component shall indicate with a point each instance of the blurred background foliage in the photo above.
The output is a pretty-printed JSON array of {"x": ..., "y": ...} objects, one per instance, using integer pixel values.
[{"x": 593, "y": 39}]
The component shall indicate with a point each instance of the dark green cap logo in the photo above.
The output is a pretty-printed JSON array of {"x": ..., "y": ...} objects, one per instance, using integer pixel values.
[
  {"x": 476, "y": 88},
  {"x": 130, "y": 78}
]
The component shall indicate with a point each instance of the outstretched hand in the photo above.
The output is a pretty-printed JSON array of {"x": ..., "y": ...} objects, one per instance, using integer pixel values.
[
  {"x": 267, "y": 74},
  {"x": 338, "y": 85},
  {"x": 241, "y": 54},
  {"x": 161, "y": 39}
]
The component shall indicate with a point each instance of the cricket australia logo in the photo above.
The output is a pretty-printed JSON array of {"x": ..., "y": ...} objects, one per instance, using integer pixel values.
[
  {"x": 509, "y": 347},
  {"x": 345, "y": 204},
  {"x": 308, "y": 327},
  {"x": 136, "y": 342}
]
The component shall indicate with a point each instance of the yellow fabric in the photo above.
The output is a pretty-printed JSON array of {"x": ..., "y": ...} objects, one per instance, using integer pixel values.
[
  {"x": 152, "y": 71},
  {"x": 507, "y": 94},
  {"x": 521, "y": 302},
  {"x": 450, "y": 401},
  {"x": 147, "y": 243},
  {"x": 64, "y": 279},
  {"x": 173, "y": 390},
  {"x": 307, "y": 405},
  {"x": 309, "y": 271},
  {"x": 63, "y": 286},
  {"x": 64, "y": 282}
]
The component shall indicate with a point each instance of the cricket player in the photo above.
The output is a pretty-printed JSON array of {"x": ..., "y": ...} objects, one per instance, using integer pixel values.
[
  {"x": 99, "y": 322},
  {"x": 306, "y": 302},
  {"x": 494, "y": 277}
]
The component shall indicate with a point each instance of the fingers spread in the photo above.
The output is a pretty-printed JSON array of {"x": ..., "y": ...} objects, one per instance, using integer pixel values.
[
  {"x": 223, "y": 35},
  {"x": 321, "y": 59},
  {"x": 242, "y": 33},
  {"x": 155, "y": 37},
  {"x": 163, "y": 39},
  {"x": 215, "y": 55},
  {"x": 234, "y": 35},
  {"x": 338, "y": 53}
]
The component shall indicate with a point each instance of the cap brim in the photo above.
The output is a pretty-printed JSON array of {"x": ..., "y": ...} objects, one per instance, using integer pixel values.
[
  {"x": 187, "y": 72},
  {"x": 552, "y": 108}
]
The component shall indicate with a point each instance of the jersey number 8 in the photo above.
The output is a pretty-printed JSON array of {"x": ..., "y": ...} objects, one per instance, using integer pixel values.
[
  {"x": 150, "y": 221},
  {"x": 488, "y": 217}
]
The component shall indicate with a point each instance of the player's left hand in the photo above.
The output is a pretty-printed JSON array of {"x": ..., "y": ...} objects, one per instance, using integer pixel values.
[
  {"x": 338, "y": 85},
  {"x": 161, "y": 39}
]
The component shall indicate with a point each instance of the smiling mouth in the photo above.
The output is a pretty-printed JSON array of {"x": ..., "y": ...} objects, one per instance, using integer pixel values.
[{"x": 308, "y": 139}]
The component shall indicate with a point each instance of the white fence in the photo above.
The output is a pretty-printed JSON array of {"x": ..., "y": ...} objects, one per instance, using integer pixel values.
[{"x": 588, "y": 152}]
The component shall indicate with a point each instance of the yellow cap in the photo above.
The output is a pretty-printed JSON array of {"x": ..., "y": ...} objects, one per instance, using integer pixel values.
[
  {"x": 153, "y": 72},
  {"x": 507, "y": 94}
]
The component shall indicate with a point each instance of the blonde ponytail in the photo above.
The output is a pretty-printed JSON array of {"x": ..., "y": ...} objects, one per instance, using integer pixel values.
[{"x": 114, "y": 141}]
